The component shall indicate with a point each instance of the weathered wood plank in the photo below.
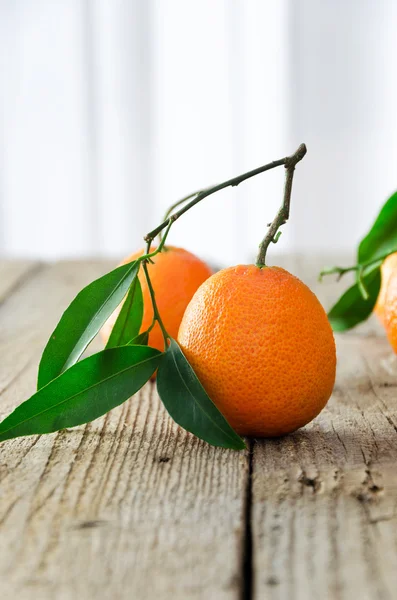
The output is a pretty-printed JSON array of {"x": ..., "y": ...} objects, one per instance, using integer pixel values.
[
  {"x": 324, "y": 499},
  {"x": 127, "y": 507}
]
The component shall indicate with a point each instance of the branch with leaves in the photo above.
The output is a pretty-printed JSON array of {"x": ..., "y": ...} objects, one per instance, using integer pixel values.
[
  {"x": 358, "y": 302},
  {"x": 71, "y": 391}
]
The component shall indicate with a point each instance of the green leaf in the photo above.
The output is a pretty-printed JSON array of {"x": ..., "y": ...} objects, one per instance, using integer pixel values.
[
  {"x": 140, "y": 340},
  {"x": 129, "y": 319},
  {"x": 188, "y": 403},
  {"x": 351, "y": 308},
  {"x": 382, "y": 237},
  {"x": 84, "y": 392},
  {"x": 82, "y": 320}
]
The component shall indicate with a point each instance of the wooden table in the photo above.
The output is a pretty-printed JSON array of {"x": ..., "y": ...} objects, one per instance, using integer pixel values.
[{"x": 131, "y": 506}]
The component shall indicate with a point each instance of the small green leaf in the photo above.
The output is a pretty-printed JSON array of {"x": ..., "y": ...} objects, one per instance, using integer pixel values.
[
  {"x": 140, "y": 340},
  {"x": 82, "y": 320},
  {"x": 84, "y": 392},
  {"x": 129, "y": 319},
  {"x": 188, "y": 403},
  {"x": 351, "y": 308},
  {"x": 382, "y": 237}
]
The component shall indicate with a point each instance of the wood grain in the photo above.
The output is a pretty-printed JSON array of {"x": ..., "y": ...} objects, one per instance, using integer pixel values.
[
  {"x": 129, "y": 506},
  {"x": 324, "y": 499}
]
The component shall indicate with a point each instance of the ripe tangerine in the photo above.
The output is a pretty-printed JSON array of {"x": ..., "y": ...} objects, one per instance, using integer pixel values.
[{"x": 262, "y": 347}]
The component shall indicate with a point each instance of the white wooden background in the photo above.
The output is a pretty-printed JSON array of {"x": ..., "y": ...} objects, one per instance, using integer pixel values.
[{"x": 112, "y": 109}]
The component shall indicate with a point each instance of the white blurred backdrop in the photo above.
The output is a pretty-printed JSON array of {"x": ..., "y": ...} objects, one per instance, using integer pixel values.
[{"x": 110, "y": 110}]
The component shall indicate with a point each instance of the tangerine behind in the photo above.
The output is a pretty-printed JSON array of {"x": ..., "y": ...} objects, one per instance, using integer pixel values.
[
  {"x": 388, "y": 267},
  {"x": 175, "y": 275},
  {"x": 261, "y": 345},
  {"x": 389, "y": 305}
]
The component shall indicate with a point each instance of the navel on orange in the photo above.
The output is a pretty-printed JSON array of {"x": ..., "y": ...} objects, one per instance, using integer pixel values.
[
  {"x": 262, "y": 347},
  {"x": 175, "y": 275}
]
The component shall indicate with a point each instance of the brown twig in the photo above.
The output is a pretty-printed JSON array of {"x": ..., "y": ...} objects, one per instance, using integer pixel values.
[
  {"x": 282, "y": 216},
  {"x": 216, "y": 188}
]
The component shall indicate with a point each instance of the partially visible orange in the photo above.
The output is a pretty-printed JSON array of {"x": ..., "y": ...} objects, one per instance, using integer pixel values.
[
  {"x": 262, "y": 347},
  {"x": 389, "y": 302},
  {"x": 175, "y": 275},
  {"x": 389, "y": 265}
]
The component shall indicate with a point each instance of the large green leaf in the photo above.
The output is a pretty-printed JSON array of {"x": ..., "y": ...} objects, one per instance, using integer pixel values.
[
  {"x": 382, "y": 237},
  {"x": 188, "y": 403},
  {"x": 129, "y": 319},
  {"x": 82, "y": 320},
  {"x": 352, "y": 308},
  {"x": 84, "y": 392}
]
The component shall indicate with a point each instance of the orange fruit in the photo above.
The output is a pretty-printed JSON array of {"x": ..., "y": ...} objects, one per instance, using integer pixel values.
[
  {"x": 389, "y": 305},
  {"x": 262, "y": 347},
  {"x": 389, "y": 265},
  {"x": 175, "y": 275}
]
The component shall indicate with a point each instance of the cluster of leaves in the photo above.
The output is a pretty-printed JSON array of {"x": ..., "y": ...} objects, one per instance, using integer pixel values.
[
  {"x": 71, "y": 391},
  {"x": 358, "y": 302}
]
